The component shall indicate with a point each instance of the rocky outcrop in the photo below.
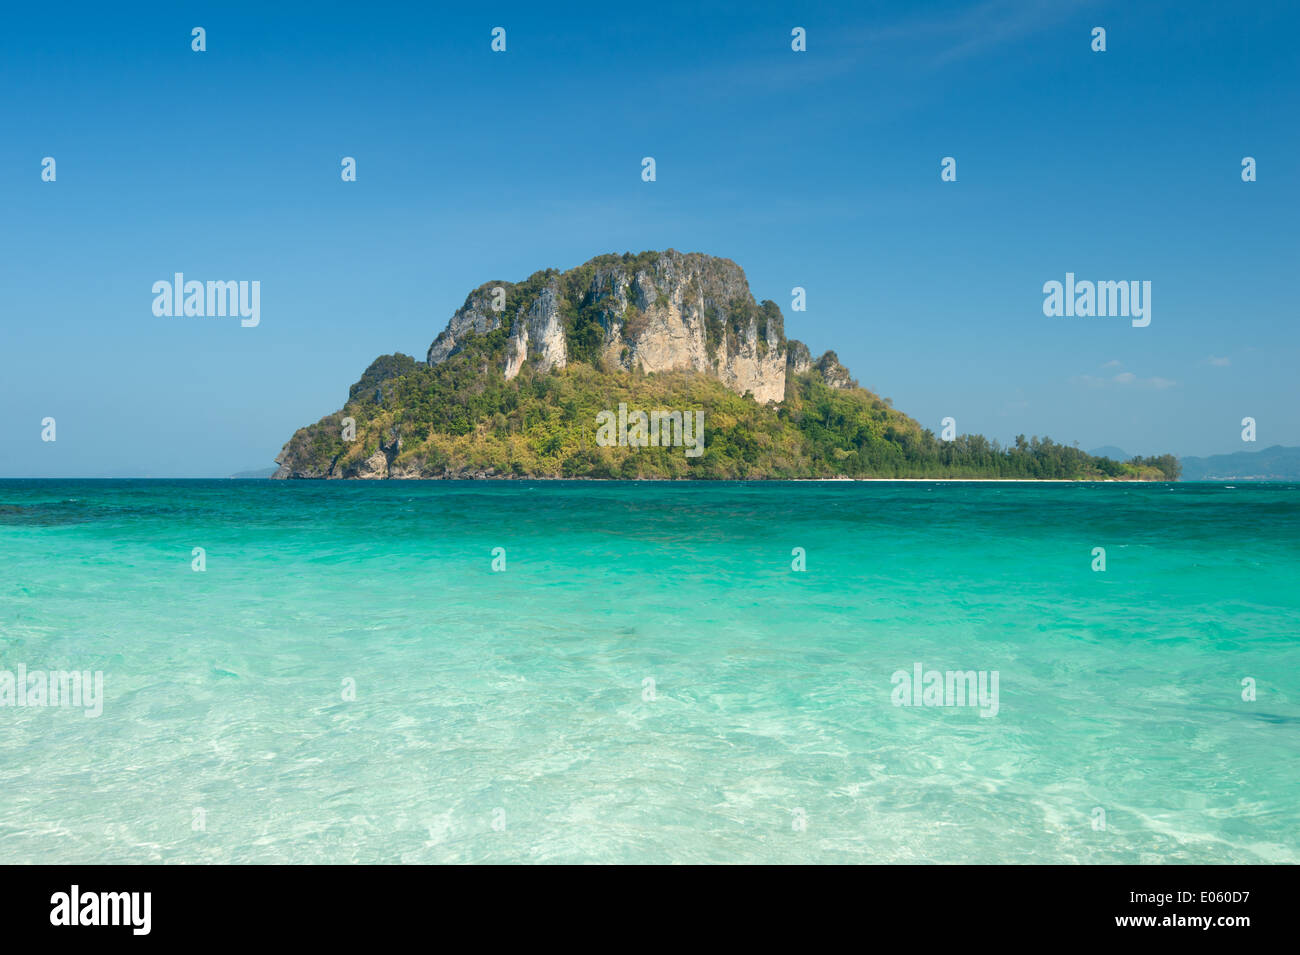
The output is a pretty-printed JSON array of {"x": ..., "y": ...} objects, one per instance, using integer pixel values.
[
  {"x": 293, "y": 465},
  {"x": 658, "y": 311},
  {"x": 797, "y": 357},
  {"x": 379, "y": 464},
  {"x": 538, "y": 335},
  {"x": 799, "y": 360},
  {"x": 833, "y": 373},
  {"x": 477, "y": 315},
  {"x": 296, "y": 461},
  {"x": 375, "y": 466},
  {"x": 690, "y": 312}
]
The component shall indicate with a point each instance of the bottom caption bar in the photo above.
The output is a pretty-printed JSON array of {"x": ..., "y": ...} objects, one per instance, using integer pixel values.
[{"x": 139, "y": 905}]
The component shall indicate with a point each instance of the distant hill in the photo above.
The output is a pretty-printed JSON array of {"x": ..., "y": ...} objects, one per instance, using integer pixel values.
[
  {"x": 259, "y": 473},
  {"x": 527, "y": 378},
  {"x": 1277, "y": 463}
]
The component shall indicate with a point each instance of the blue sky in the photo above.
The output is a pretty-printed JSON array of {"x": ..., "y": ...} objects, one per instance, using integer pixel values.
[{"x": 817, "y": 169}]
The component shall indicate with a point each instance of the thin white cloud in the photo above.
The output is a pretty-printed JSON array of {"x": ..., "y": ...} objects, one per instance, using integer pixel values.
[
  {"x": 996, "y": 23},
  {"x": 1125, "y": 379},
  {"x": 926, "y": 43}
]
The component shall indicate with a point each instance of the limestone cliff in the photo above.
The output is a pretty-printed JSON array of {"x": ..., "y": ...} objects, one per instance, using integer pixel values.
[{"x": 654, "y": 312}]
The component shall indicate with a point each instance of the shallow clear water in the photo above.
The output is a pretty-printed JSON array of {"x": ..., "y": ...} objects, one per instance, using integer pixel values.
[{"x": 503, "y": 716}]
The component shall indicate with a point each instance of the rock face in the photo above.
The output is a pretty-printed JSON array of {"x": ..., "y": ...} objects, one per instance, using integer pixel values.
[
  {"x": 833, "y": 373},
  {"x": 476, "y": 315},
  {"x": 657, "y": 311},
  {"x": 286, "y": 470},
  {"x": 798, "y": 358},
  {"x": 538, "y": 335},
  {"x": 377, "y": 465}
]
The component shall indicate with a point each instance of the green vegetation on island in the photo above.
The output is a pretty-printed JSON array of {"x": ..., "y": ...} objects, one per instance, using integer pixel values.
[{"x": 462, "y": 417}]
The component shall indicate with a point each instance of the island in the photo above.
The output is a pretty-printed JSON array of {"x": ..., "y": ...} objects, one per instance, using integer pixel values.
[{"x": 527, "y": 378}]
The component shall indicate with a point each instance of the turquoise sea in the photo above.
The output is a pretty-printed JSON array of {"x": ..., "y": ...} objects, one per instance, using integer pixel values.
[{"x": 350, "y": 680}]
